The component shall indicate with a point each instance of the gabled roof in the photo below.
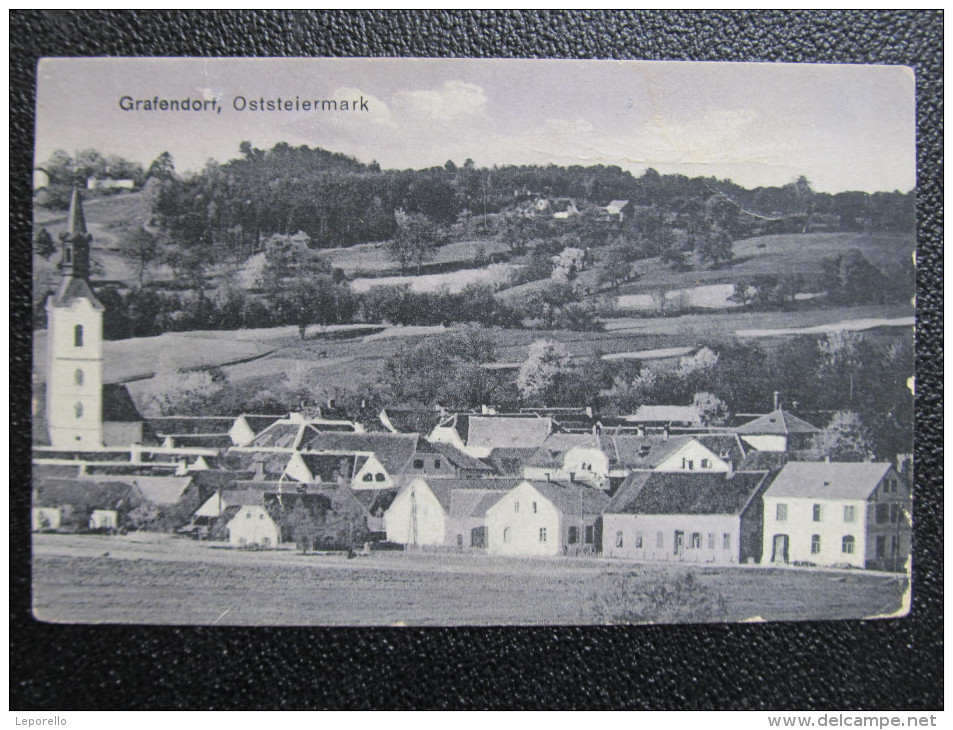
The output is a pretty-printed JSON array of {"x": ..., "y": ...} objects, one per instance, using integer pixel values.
[
  {"x": 553, "y": 450},
  {"x": 443, "y": 489},
  {"x": 472, "y": 503},
  {"x": 279, "y": 435},
  {"x": 410, "y": 420},
  {"x": 509, "y": 461},
  {"x": 725, "y": 446},
  {"x": 222, "y": 500},
  {"x": 779, "y": 422},
  {"x": 491, "y": 432},
  {"x": 665, "y": 414},
  {"x": 118, "y": 404},
  {"x": 828, "y": 480},
  {"x": 258, "y": 423},
  {"x": 617, "y": 204},
  {"x": 184, "y": 425},
  {"x": 640, "y": 452},
  {"x": 42, "y": 472},
  {"x": 686, "y": 493},
  {"x": 328, "y": 467},
  {"x": 162, "y": 490},
  {"x": 573, "y": 499},
  {"x": 218, "y": 479},
  {"x": 393, "y": 450},
  {"x": 453, "y": 455},
  {"x": 86, "y": 493},
  {"x": 273, "y": 464},
  {"x": 202, "y": 440},
  {"x": 765, "y": 460}
]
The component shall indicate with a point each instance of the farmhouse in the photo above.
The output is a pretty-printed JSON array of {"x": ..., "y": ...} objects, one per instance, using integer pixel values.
[
  {"x": 478, "y": 435},
  {"x": 76, "y": 501},
  {"x": 546, "y": 518},
  {"x": 686, "y": 517},
  {"x": 830, "y": 513},
  {"x": 443, "y": 511}
]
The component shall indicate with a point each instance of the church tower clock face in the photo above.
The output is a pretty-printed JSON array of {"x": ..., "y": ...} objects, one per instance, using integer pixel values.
[{"x": 74, "y": 372}]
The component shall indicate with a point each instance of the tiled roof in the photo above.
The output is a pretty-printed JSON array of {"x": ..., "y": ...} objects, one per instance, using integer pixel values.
[
  {"x": 778, "y": 422},
  {"x": 161, "y": 490},
  {"x": 118, "y": 404},
  {"x": 573, "y": 499},
  {"x": 681, "y": 493},
  {"x": 72, "y": 288},
  {"x": 509, "y": 461},
  {"x": 665, "y": 414},
  {"x": 456, "y": 457},
  {"x": 444, "y": 489},
  {"x": 86, "y": 493},
  {"x": 393, "y": 450},
  {"x": 179, "y": 426},
  {"x": 495, "y": 431},
  {"x": 259, "y": 423},
  {"x": 472, "y": 502},
  {"x": 279, "y": 435},
  {"x": 328, "y": 467},
  {"x": 828, "y": 480},
  {"x": 640, "y": 452}
]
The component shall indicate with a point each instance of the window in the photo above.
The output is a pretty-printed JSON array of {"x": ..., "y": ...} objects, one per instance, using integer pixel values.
[
  {"x": 711, "y": 540},
  {"x": 696, "y": 540},
  {"x": 883, "y": 513},
  {"x": 691, "y": 465},
  {"x": 78, "y": 336},
  {"x": 459, "y": 540},
  {"x": 379, "y": 477},
  {"x": 573, "y": 535},
  {"x": 436, "y": 463},
  {"x": 506, "y": 534},
  {"x": 659, "y": 539},
  {"x": 516, "y": 507},
  {"x": 542, "y": 534},
  {"x": 68, "y": 254},
  {"x": 261, "y": 517},
  {"x": 638, "y": 539},
  {"x": 418, "y": 463},
  {"x": 881, "y": 549},
  {"x": 781, "y": 515},
  {"x": 706, "y": 464},
  {"x": 590, "y": 534},
  {"x": 78, "y": 377},
  {"x": 850, "y": 513},
  {"x": 894, "y": 544},
  {"x": 534, "y": 508},
  {"x": 78, "y": 410},
  {"x": 248, "y": 515},
  {"x": 367, "y": 477},
  {"x": 618, "y": 538},
  {"x": 895, "y": 512},
  {"x": 815, "y": 544},
  {"x": 817, "y": 513},
  {"x": 847, "y": 545},
  {"x": 726, "y": 541}
]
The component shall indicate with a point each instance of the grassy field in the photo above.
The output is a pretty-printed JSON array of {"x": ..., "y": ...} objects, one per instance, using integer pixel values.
[{"x": 159, "y": 579}]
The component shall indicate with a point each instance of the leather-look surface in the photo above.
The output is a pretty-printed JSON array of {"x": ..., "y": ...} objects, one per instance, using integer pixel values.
[{"x": 896, "y": 664}]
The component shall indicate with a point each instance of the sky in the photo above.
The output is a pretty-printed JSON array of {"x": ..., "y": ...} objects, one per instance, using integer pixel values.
[{"x": 844, "y": 127}]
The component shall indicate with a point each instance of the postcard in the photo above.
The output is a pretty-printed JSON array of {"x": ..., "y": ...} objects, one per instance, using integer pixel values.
[{"x": 404, "y": 342}]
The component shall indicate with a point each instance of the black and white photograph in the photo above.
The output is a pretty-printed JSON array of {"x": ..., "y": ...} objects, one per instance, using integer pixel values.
[{"x": 460, "y": 342}]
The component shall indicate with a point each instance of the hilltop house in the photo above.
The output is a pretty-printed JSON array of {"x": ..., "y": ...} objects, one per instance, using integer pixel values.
[
  {"x": 448, "y": 512},
  {"x": 546, "y": 518},
  {"x": 838, "y": 513},
  {"x": 686, "y": 517},
  {"x": 617, "y": 209}
]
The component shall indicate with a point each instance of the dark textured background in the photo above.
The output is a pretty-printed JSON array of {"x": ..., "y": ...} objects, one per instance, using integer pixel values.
[{"x": 894, "y": 664}]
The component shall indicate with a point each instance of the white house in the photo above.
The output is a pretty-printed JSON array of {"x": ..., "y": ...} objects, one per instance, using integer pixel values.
[
  {"x": 664, "y": 415},
  {"x": 46, "y": 518},
  {"x": 686, "y": 517},
  {"x": 103, "y": 519},
  {"x": 252, "y": 525},
  {"x": 616, "y": 209},
  {"x": 546, "y": 518},
  {"x": 838, "y": 514},
  {"x": 479, "y": 435}
]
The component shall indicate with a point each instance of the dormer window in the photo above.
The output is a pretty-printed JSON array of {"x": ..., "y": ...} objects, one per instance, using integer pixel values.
[{"x": 78, "y": 336}]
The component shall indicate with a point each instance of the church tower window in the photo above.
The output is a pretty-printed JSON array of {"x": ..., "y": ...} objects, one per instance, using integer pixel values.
[
  {"x": 78, "y": 409},
  {"x": 78, "y": 377},
  {"x": 78, "y": 336}
]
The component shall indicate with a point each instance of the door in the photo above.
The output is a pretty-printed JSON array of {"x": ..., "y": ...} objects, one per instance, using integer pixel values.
[
  {"x": 780, "y": 552},
  {"x": 679, "y": 541}
]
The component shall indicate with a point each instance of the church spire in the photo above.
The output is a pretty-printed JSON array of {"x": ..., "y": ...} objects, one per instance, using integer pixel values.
[{"x": 76, "y": 240}]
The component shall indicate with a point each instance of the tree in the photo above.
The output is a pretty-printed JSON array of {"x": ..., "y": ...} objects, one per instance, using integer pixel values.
[
  {"x": 43, "y": 243},
  {"x": 141, "y": 248},
  {"x": 844, "y": 439},
  {"x": 714, "y": 246},
  {"x": 162, "y": 168},
  {"x": 712, "y": 410},
  {"x": 543, "y": 372},
  {"x": 416, "y": 241}
]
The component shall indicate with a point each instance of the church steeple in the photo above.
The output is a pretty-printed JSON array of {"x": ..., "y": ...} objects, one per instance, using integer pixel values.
[{"x": 76, "y": 240}]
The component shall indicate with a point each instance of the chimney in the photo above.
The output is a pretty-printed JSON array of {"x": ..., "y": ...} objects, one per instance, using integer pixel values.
[
  {"x": 259, "y": 470},
  {"x": 665, "y": 433},
  {"x": 547, "y": 477},
  {"x": 572, "y": 476},
  {"x": 777, "y": 401},
  {"x": 731, "y": 468}
]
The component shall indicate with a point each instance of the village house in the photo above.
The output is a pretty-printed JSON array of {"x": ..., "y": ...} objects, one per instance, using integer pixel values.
[
  {"x": 83, "y": 504},
  {"x": 617, "y": 210},
  {"x": 665, "y": 415},
  {"x": 546, "y": 518},
  {"x": 478, "y": 435},
  {"x": 838, "y": 514},
  {"x": 205, "y": 518},
  {"x": 251, "y": 525},
  {"x": 248, "y": 425},
  {"x": 686, "y": 517},
  {"x": 360, "y": 470},
  {"x": 430, "y": 511}
]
